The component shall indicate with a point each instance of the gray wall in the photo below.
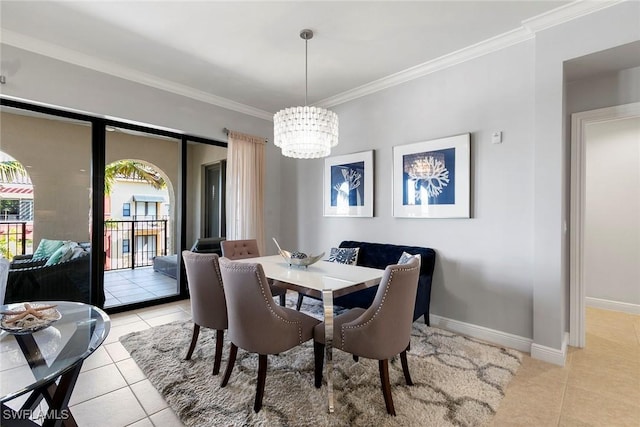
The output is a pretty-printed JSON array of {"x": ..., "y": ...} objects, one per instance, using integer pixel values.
[
  {"x": 483, "y": 263},
  {"x": 506, "y": 268},
  {"x": 554, "y": 46}
]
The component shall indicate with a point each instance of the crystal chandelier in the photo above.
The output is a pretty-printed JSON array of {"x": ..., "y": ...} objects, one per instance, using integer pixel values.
[{"x": 305, "y": 132}]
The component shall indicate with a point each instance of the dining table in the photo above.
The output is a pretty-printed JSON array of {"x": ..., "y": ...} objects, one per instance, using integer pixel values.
[
  {"x": 44, "y": 363},
  {"x": 324, "y": 280}
]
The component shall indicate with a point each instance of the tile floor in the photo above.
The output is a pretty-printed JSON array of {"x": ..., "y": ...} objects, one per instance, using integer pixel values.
[
  {"x": 140, "y": 284},
  {"x": 599, "y": 386}
]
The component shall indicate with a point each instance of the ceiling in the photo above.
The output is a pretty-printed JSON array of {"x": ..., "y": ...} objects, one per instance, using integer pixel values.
[{"x": 240, "y": 53}]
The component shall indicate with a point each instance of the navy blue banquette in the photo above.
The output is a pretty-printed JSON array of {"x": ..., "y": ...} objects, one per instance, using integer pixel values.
[{"x": 379, "y": 255}]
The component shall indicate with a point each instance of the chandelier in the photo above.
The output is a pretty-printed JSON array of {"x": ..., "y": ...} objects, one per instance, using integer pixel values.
[{"x": 305, "y": 132}]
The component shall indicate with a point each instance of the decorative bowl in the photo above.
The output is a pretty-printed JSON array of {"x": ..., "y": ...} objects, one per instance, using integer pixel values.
[
  {"x": 298, "y": 258},
  {"x": 29, "y": 324}
]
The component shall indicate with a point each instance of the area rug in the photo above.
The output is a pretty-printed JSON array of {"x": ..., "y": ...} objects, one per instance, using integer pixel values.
[{"x": 458, "y": 381}]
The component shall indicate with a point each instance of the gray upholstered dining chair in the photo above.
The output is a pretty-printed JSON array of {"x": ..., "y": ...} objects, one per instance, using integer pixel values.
[
  {"x": 256, "y": 323},
  {"x": 379, "y": 332},
  {"x": 208, "y": 304},
  {"x": 241, "y": 249}
]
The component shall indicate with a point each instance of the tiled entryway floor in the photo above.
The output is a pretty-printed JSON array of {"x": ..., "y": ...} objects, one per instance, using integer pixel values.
[
  {"x": 599, "y": 386},
  {"x": 134, "y": 285}
]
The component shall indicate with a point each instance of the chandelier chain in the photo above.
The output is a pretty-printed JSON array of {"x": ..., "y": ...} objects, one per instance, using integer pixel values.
[{"x": 306, "y": 72}]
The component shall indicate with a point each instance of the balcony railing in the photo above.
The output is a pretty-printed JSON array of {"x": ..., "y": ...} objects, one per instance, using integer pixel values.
[
  {"x": 127, "y": 244},
  {"x": 14, "y": 239},
  {"x": 131, "y": 244}
]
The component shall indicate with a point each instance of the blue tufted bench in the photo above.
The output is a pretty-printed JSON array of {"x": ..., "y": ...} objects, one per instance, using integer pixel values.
[{"x": 379, "y": 255}]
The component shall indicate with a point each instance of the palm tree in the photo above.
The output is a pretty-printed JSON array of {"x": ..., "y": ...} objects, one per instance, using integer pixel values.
[
  {"x": 131, "y": 169},
  {"x": 12, "y": 171}
]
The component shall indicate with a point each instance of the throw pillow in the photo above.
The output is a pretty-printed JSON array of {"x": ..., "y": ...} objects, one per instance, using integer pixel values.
[
  {"x": 62, "y": 254},
  {"x": 78, "y": 252},
  {"x": 344, "y": 255},
  {"x": 46, "y": 248},
  {"x": 406, "y": 257}
]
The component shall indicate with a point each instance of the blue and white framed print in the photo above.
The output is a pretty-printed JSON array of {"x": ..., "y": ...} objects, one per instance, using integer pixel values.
[
  {"x": 348, "y": 185},
  {"x": 431, "y": 178}
]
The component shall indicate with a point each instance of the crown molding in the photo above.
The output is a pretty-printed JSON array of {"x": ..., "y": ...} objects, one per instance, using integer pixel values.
[
  {"x": 60, "y": 53},
  {"x": 566, "y": 13},
  {"x": 527, "y": 31},
  {"x": 470, "y": 52}
]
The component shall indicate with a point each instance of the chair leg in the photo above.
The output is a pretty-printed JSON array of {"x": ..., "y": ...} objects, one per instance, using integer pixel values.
[
  {"x": 283, "y": 300},
  {"x": 405, "y": 367},
  {"x": 218, "y": 357},
  {"x": 355, "y": 358},
  {"x": 318, "y": 357},
  {"x": 262, "y": 374},
  {"x": 194, "y": 340},
  {"x": 426, "y": 319},
  {"x": 386, "y": 386},
  {"x": 299, "y": 303},
  {"x": 233, "y": 351}
]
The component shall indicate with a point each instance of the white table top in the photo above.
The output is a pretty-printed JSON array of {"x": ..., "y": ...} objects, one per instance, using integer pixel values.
[{"x": 322, "y": 275}]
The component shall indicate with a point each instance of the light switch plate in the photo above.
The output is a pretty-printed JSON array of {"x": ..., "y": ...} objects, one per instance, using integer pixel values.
[{"x": 496, "y": 137}]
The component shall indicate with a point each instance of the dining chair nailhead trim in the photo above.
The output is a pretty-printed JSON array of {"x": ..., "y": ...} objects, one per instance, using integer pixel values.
[
  {"x": 249, "y": 268},
  {"x": 375, "y": 314}
]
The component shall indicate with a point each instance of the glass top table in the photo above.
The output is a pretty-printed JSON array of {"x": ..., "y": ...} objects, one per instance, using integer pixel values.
[{"x": 46, "y": 363}]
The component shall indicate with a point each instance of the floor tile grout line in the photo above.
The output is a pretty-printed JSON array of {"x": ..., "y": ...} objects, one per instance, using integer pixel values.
[{"x": 100, "y": 395}]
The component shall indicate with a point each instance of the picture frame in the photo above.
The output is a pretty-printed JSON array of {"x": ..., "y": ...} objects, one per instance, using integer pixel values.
[
  {"x": 348, "y": 185},
  {"x": 431, "y": 179}
]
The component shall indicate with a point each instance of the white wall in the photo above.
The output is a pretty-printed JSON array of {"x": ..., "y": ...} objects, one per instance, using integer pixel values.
[{"x": 612, "y": 220}]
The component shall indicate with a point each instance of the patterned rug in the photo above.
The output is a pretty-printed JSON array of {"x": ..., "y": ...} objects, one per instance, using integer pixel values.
[{"x": 458, "y": 381}]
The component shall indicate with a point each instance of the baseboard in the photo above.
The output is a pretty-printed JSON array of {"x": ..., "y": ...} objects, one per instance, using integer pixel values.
[
  {"x": 480, "y": 332},
  {"x": 551, "y": 355},
  {"x": 605, "y": 304}
]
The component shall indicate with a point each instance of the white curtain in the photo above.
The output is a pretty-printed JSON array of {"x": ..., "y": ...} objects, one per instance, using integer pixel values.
[{"x": 245, "y": 188}]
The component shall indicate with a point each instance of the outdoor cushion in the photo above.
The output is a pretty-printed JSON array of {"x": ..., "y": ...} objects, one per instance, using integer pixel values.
[
  {"x": 62, "y": 254},
  {"x": 46, "y": 248}
]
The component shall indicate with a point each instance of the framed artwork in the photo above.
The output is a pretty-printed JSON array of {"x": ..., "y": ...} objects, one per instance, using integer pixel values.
[
  {"x": 431, "y": 178},
  {"x": 348, "y": 185}
]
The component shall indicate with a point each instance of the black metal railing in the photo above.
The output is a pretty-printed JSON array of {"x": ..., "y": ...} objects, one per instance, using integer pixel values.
[
  {"x": 131, "y": 244},
  {"x": 13, "y": 238},
  {"x": 128, "y": 244}
]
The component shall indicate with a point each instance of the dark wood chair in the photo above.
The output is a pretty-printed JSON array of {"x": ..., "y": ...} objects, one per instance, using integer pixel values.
[
  {"x": 241, "y": 249},
  {"x": 208, "y": 304},
  {"x": 379, "y": 332},
  {"x": 256, "y": 323}
]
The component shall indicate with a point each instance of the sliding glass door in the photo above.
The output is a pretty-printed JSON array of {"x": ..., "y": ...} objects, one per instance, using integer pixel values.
[
  {"x": 123, "y": 199},
  {"x": 45, "y": 205},
  {"x": 140, "y": 238}
]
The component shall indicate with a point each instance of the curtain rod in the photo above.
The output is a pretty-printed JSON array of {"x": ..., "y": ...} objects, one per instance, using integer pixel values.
[{"x": 227, "y": 130}]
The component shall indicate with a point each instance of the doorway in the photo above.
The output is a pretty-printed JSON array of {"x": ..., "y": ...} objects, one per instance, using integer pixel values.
[
  {"x": 579, "y": 124},
  {"x": 214, "y": 205}
]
